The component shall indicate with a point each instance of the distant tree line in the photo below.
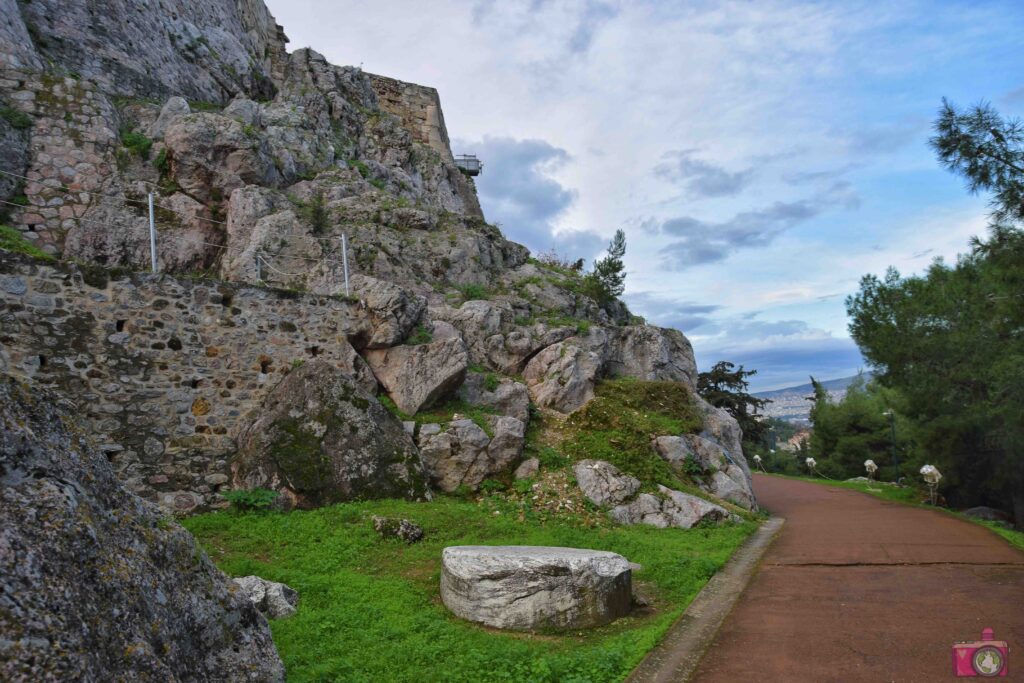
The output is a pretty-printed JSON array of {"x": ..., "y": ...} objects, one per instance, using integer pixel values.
[{"x": 947, "y": 347}]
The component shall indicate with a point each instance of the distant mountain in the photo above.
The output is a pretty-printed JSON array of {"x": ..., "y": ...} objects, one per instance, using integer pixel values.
[{"x": 791, "y": 403}]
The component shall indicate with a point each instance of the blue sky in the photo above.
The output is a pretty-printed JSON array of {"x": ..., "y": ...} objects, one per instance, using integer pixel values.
[{"x": 761, "y": 156}]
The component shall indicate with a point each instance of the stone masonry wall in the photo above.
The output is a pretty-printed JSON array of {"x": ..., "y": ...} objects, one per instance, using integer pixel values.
[
  {"x": 166, "y": 370},
  {"x": 418, "y": 107}
]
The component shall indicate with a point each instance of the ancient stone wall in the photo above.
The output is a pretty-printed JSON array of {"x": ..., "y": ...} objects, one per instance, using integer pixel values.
[
  {"x": 165, "y": 371},
  {"x": 419, "y": 109}
]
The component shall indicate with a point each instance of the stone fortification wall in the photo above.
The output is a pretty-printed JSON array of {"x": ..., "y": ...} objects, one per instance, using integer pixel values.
[
  {"x": 164, "y": 370},
  {"x": 418, "y": 107}
]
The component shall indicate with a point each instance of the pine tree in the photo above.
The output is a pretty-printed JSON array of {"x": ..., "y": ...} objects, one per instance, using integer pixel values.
[{"x": 606, "y": 281}]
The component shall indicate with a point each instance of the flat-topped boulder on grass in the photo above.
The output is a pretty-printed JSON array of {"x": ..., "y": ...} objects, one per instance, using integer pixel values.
[{"x": 535, "y": 588}]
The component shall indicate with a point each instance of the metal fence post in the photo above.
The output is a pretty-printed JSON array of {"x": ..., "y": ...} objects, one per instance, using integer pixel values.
[
  {"x": 344, "y": 260},
  {"x": 152, "y": 234}
]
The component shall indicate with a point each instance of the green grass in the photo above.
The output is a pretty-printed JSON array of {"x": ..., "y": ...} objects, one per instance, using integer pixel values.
[
  {"x": 617, "y": 425},
  {"x": 12, "y": 240},
  {"x": 914, "y": 496},
  {"x": 370, "y": 609}
]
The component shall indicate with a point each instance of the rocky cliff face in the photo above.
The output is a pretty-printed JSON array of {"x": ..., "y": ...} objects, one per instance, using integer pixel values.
[
  {"x": 261, "y": 161},
  {"x": 96, "y": 584}
]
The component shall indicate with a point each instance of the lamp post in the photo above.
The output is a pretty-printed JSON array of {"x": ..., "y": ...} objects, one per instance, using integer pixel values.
[{"x": 892, "y": 435}]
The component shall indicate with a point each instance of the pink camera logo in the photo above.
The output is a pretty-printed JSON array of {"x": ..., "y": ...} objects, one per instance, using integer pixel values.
[{"x": 987, "y": 657}]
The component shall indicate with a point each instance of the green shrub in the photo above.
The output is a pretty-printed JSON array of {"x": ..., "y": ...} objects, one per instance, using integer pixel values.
[
  {"x": 522, "y": 486},
  {"x": 18, "y": 120},
  {"x": 491, "y": 381},
  {"x": 360, "y": 166},
  {"x": 474, "y": 292},
  {"x": 489, "y": 486},
  {"x": 137, "y": 143},
  {"x": 160, "y": 162},
  {"x": 245, "y": 500},
  {"x": 420, "y": 335},
  {"x": 314, "y": 211}
]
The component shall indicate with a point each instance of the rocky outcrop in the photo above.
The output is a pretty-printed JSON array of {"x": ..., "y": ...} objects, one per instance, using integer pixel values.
[
  {"x": 274, "y": 600},
  {"x": 530, "y": 588},
  {"x": 506, "y": 397},
  {"x": 95, "y": 583},
  {"x": 416, "y": 377},
  {"x": 721, "y": 476},
  {"x": 320, "y": 438},
  {"x": 670, "y": 509},
  {"x": 603, "y": 484},
  {"x": 462, "y": 454},
  {"x": 563, "y": 376}
]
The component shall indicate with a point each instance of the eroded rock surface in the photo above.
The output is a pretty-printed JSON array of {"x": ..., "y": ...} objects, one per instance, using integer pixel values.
[
  {"x": 461, "y": 453},
  {"x": 671, "y": 509},
  {"x": 95, "y": 583},
  {"x": 722, "y": 476},
  {"x": 529, "y": 588},
  {"x": 321, "y": 439},
  {"x": 603, "y": 483},
  {"x": 416, "y": 377}
]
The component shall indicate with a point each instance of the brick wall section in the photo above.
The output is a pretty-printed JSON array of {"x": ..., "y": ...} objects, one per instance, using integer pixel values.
[{"x": 164, "y": 371}]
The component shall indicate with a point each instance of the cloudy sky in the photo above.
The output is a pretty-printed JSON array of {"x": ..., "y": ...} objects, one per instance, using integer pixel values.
[{"x": 761, "y": 156}]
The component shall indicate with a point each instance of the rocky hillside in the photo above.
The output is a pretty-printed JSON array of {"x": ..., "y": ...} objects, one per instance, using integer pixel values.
[{"x": 247, "y": 364}]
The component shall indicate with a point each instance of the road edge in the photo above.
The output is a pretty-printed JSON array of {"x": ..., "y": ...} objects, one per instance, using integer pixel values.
[{"x": 676, "y": 657}]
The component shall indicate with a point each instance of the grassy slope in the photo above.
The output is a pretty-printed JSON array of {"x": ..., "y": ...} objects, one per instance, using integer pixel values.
[
  {"x": 913, "y": 496},
  {"x": 370, "y": 609}
]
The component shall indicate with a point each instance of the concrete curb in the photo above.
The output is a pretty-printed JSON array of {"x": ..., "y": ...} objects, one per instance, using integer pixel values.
[{"x": 677, "y": 655}]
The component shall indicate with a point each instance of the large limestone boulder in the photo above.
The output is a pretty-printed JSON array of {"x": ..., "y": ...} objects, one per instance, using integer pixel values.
[
  {"x": 671, "y": 509},
  {"x": 603, "y": 483},
  {"x": 529, "y": 588},
  {"x": 320, "y": 438},
  {"x": 416, "y": 377},
  {"x": 393, "y": 311},
  {"x": 462, "y": 454},
  {"x": 97, "y": 584},
  {"x": 508, "y": 397},
  {"x": 723, "y": 476},
  {"x": 563, "y": 376}
]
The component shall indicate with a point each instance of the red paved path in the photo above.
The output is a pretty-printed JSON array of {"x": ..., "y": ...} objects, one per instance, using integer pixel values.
[{"x": 856, "y": 588}]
